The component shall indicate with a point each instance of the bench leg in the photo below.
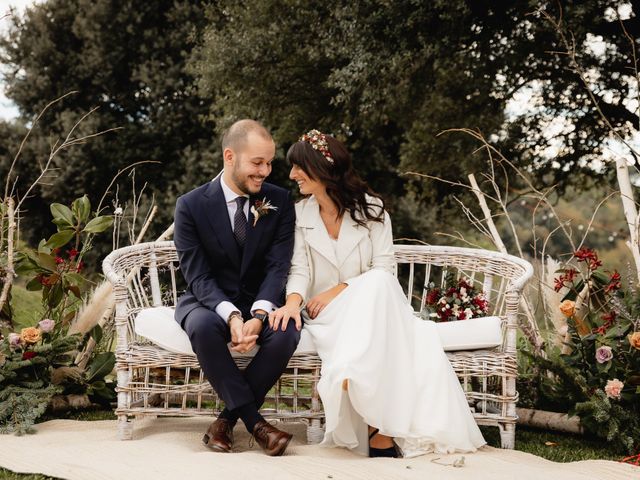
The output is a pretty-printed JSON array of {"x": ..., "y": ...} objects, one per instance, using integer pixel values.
[
  {"x": 315, "y": 431},
  {"x": 507, "y": 435},
  {"x": 125, "y": 427}
]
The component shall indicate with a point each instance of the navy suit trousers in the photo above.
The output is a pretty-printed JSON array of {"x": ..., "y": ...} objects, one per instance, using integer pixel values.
[{"x": 209, "y": 335}]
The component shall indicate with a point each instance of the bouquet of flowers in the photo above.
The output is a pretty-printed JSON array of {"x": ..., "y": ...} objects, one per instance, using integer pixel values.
[
  {"x": 457, "y": 300},
  {"x": 597, "y": 373}
]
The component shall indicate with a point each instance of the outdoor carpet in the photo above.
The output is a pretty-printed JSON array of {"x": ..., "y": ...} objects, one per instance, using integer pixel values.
[{"x": 171, "y": 448}]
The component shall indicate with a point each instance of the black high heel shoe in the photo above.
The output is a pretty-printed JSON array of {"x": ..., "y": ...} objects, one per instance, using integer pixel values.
[{"x": 391, "y": 452}]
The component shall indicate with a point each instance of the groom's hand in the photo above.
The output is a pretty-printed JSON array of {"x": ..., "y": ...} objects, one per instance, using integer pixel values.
[{"x": 240, "y": 341}]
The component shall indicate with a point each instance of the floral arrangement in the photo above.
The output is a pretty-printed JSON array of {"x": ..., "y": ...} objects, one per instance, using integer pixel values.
[
  {"x": 261, "y": 208},
  {"x": 459, "y": 300},
  {"x": 598, "y": 369},
  {"x": 39, "y": 362}
]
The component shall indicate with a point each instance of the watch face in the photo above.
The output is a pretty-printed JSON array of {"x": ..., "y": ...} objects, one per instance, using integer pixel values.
[{"x": 261, "y": 316}]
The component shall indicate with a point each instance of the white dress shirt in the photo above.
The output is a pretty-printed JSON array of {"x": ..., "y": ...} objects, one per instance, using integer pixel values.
[{"x": 225, "y": 308}]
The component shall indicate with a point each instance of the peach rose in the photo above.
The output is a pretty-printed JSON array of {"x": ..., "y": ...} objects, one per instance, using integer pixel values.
[
  {"x": 634, "y": 340},
  {"x": 613, "y": 388},
  {"x": 30, "y": 335},
  {"x": 568, "y": 308}
]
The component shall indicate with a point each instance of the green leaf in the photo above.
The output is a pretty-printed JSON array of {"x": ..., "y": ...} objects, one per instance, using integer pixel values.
[
  {"x": 101, "y": 365},
  {"x": 42, "y": 247},
  {"x": 55, "y": 296},
  {"x": 47, "y": 262},
  {"x": 74, "y": 278},
  {"x": 81, "y": 208},
  {"x": 75, "y": 290},
  {"x": 98, "y": 224},
  {"x": 600, "y": 277},
  {"x": 62, "y": 212},
  {"x": 96, "y": 333},
  {"x": 60, "y": 239},
  {"x": 34, "y": 285}
]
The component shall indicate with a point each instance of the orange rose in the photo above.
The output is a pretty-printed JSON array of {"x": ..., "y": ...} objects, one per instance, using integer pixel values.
[
  {"x": 568, "y": 308},
  {"x": 30, "y": 335},
  {"x": 634, "y": 340}
]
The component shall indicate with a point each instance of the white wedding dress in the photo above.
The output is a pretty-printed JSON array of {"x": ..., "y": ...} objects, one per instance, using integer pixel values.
[{"x": 399, "y": 378}]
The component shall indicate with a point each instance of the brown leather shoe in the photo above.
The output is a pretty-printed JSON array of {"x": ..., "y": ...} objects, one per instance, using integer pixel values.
[
  {"x": 273, "y": 441},
  {"x": 219, "y": 437}
]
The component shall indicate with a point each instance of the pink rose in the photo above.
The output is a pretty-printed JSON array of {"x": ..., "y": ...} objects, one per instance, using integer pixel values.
[
  {"x": 46, "y": 325},
  {"x": 613, "y": 388},
  {"x": 14, "y": 340},
  {"x": 604, "y": 354}
]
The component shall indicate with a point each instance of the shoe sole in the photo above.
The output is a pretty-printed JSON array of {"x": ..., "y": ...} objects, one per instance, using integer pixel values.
[{"x": 215, "y": 448}]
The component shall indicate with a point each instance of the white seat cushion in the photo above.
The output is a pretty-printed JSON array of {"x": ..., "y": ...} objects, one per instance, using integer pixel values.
[
  {"x": 471, "y": 334},
  {"x": 158, "y": 325}
]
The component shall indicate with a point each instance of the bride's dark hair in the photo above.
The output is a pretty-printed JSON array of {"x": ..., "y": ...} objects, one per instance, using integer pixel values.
[{"x": 344, "y": 186}]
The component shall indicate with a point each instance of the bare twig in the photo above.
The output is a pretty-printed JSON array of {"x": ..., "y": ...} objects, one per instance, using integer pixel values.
[{"x": 9, "y": 273}]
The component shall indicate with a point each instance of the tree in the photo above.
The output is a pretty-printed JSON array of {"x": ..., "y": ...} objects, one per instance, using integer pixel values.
[
  {"x": 128, "y": 59},
  {"x": 388, "y": 77}
]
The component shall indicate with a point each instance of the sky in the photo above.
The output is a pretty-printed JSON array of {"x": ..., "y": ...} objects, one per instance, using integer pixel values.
[{"x": 7, "y": 108}]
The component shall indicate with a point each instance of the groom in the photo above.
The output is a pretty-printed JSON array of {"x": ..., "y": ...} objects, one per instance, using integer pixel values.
[{"x": 234, "y": 238}]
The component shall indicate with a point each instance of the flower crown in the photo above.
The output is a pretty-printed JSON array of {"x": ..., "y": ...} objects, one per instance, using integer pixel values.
[{"x": 318, "y": 141}]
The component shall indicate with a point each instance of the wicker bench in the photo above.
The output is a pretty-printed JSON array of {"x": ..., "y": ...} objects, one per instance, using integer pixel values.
[{"x": 152, "y": 381}]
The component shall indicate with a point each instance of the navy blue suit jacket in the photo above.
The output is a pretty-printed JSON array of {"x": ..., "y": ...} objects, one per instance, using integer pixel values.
[{"x": 211, "y": 261}]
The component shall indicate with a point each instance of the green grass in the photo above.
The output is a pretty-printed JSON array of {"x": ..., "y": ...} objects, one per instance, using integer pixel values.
[
  {"x": 9, "y": 475},
  {"x": 27, "y": 307},
  {"x": 556, "y": 446}
]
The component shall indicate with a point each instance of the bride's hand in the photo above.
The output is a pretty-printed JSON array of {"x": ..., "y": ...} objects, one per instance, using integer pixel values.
[
  {"x": 282, "y": 315},
  {"x": 317, "y": 303}
]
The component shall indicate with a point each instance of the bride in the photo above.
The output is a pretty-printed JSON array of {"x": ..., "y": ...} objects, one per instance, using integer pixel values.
[{"x": 384, "y": 375}]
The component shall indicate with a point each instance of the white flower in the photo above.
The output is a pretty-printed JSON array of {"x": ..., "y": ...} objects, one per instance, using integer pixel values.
[{"x": 118, "y": 211}]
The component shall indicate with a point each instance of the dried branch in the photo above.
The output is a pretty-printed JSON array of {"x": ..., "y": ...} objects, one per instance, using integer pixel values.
[{"x": 9, "y": 273}]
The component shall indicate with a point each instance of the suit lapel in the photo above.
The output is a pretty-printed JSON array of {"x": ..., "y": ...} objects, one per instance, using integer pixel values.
[
  {"x": 219, "y": 220},
  {"x": 350, "y": 235},
  {"x": 315, "y": 232}
]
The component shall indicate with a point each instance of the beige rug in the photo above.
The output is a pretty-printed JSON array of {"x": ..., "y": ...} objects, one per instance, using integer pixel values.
[{"x": 171, "y": 448}]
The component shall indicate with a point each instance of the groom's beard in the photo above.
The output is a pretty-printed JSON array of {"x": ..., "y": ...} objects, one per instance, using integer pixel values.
[{"x": 244, "y": 183}]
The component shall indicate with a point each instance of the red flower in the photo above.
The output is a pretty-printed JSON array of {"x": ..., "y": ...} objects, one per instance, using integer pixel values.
[
  {"x": 73, "y": 253},
  {"x": 28, "y": 355},
  {"x": 609, "y": 319},
  {"x": 614, "y": 283},
  {"x": 590, "y": 256},
  {"x": 433, "y": 296},
  {"x": 570, "y": 274},
  {"x": 584, "y": 254},
  {"x": 558, "y": 283},
  {"x": 59, "y": 260}
]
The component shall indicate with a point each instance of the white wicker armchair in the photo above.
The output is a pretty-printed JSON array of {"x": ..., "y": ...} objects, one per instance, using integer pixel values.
[{"x": 153, "y": 381}]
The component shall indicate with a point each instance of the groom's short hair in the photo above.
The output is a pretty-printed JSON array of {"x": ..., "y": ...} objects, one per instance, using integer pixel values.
[{"x": 235, "y": 137}]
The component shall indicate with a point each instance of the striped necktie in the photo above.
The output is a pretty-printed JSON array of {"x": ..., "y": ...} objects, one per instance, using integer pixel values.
[{"x": 240, "y": 222}]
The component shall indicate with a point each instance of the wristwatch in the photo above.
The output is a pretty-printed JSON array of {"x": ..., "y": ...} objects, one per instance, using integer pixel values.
[
  {"x": 261, "y": 316},
  {"x": 235, "y": 313}
]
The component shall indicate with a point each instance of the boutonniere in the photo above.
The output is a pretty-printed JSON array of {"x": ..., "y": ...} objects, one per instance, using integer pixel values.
[{"x": 261, "y": 208}]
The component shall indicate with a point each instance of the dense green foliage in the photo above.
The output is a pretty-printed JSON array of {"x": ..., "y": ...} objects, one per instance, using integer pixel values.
[
  {"x": 128, "y": 59},
  {"x": 386, "y": 77}
]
